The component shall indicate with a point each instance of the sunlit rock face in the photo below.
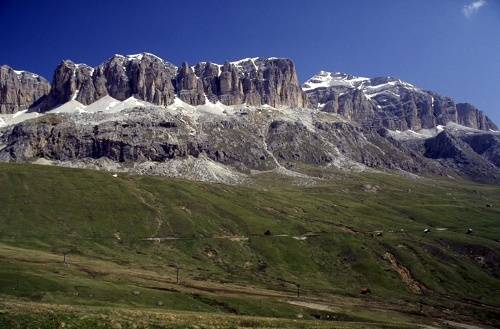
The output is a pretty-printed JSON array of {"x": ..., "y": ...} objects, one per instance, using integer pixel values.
[{"x": 20, "y": 90}]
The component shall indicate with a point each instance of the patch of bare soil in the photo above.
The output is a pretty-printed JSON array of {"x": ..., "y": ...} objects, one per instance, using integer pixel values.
[{"x": 404, "y": 273}]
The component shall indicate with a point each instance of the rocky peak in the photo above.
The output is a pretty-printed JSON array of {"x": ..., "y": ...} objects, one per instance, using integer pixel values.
[
  {"x": 209, "y": 74},
  {"x": 382, "y": 102},
  {"x": 230, "y": 86},
  {"x": 188, "y": 86},
  {"x": 470, "y": 116},
  {"x": 324, "y": 80},
  {"x": 147, "y": 77},
  {"x": 144, "y": 76},
  {"x": 258, "y": 81},
  {"x": 20, "y": 90},
  {"x": 387, "y": 102},
  {"x": 71, "y": 82},
  {"x": 247, "y": 65}
]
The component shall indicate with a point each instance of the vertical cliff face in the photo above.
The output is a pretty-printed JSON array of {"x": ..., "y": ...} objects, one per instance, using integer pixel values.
[
  {"x": 149, "y": 78},
  {"x": 270, "y": 81},
  {"x": 71, "y": 81},
  {"x": 188, "y": 86},
  {"x": 254, "y": 81},
  {"x": 355, "y": 106},
  {"x": 470, "y": 116},
  {"x": 444, "y": 109},
  {"x": 144, "y": 76},
  {"x": 230, "y": 86},
  {"x": 20, "y": 90},
  {"x": 209, "y": 75}
]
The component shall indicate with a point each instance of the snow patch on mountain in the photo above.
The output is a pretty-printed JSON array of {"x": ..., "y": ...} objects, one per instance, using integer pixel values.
[
  {"x": 124, "y": 59},
  {"x": 371, "y": 87},
  {"x": 246, "y": 64},
  {"x": 250, "y": 63},
  {"x": 326, "y": 79},
  {"x": 141, "y": 56},
  {"x": 244, "y": 60},
  {"x": 137, "y": 57},
  {"x": 75, "y": 95},
  {"x": 21, "y": 73}
]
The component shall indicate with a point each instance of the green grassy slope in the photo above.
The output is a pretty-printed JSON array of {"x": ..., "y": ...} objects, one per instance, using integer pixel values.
[{"x": 322, "y": 237}]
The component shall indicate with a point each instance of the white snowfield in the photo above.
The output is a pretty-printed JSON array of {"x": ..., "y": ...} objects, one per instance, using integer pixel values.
[
  {"x": 333, "y": 79},
  {"x": 21, "y": 73},
  {"x": 337, "y": 79},
  {"x": 244, "y": 64},
  {"x": 139, "y": 57}
]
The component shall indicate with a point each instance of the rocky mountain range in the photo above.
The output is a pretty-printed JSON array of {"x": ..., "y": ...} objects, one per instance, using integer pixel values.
[
  {"x": 147, "y": 77},
  {"x": 384, "y": 101},
  {"x": 142, "y": 114},
  {"x": 389, "y": 102}
]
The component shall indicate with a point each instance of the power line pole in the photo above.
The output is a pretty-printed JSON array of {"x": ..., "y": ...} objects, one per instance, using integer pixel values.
[
  {"x": 65, "y": 255},
  {"x": 177, "y": 271}
]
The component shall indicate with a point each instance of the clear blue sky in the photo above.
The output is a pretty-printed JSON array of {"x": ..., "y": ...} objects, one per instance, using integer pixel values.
[{"x": 434, "y": 44}]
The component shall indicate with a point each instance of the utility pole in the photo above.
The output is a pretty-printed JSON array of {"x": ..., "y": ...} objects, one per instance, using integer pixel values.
[
  {"x": 177, "y": 270},
  {"x": 298, "y": 289}
]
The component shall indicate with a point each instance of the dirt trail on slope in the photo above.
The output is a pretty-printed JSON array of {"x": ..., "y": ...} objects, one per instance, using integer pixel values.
[{"x": 404, "y": 273}]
